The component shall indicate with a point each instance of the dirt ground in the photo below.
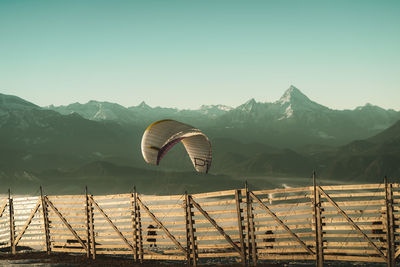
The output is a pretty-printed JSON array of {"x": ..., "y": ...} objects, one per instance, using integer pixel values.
[{"x": 101, "y": 260}]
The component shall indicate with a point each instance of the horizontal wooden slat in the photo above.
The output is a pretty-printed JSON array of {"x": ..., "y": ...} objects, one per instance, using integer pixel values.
[
  {"x": 352, "y": 187},
  {"x": 213, "y": 194},
  {"x": 116, "y": 196},
  {"x": 352, "y": 244},
  {"x": 219, "y": 203},
  {"x": 350, "y": 251},
  {"x": 282, "y": 190},
  {"x": 217, "y": 220},
  {"x": 68, "y": 250},
  {"x": 104, "y": 226},
  {"x": 62, "y": 226},
  {"x": 355, "y": 219},
  {"x": 274, "y": 199},
  {"x": 163, "y": 257},
  {"x": 146, "y": 199},
  {"x": 349, "y": 227},
  {"x": 288, "y": 221},
  {"x": 218, "y": 255},
  {"x": 31, "y": 243},
  {"x": 65, "y": 209},
  {"x": 355, "y": 203},
  {"x": 354, "y": 195},
  {"x": 114, "y": 252},
  {"x": 350, "y": 235},
  {"x": 278, "y": 227},
  {"x": 284, "y": 235},
  {"x": 357, "y": 211},
  {"x": 114, "y": 210},
  {"x": 65, "y": 237},
  {"x": 262, "y": 249},
  {"x": 283, "y": 205},
  {"x": 125, "y": 203},
  {"x": 285, "y": 243},
  {"x": 112, "y": 246},
  {"x": 66, "y": 197},
  {"x": 66, "y": 202},
  {"x": 285, "y": 257},
  {"x": 215, "y": 237},
  {"x": 353, "y": 258}
]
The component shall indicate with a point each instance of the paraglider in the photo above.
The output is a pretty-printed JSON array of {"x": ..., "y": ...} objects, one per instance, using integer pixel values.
[{"x": 162, "y": 135}]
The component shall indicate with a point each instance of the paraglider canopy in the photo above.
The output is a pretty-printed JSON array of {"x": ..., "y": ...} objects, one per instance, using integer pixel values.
[{"x": 162, "y": 135}]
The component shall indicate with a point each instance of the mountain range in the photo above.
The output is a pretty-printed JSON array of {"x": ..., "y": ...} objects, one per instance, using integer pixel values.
[
  {"x": 289, "y": 137},
  {"x": 272, "y": 123}
]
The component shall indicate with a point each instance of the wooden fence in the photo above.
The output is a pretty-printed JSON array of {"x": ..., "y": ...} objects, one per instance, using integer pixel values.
[{"x": 316, "y": 223}]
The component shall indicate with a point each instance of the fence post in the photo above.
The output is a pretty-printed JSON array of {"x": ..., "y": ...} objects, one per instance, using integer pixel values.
[
  {"x": 191, "y": 230},
  {"x": 389, "y": 224},
  {"x": 250, "y": 224},
  {"x": 185, "y": 207},
  {"x": 318, "y": 224},
  {"x": 12, "y": 225},
  {"x": 91, "y": 226},
  {"x": 134, "y": 224},
  {"x": 139, "y": 226},
  {"x": 87, "y": 223},
  {"x": 240, "y": 225},
  {"x": 45, "y": 222}
]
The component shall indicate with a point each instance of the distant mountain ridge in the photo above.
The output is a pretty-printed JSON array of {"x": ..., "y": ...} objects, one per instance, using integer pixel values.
[
  {"x": 289, "y": 137},
  {"x": 270, "y": 123}
]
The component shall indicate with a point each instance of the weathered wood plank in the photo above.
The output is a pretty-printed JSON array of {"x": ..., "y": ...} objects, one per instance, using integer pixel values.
[
  {"x": 72, "y": 250},
  {"x": 160, "y": 198},
  {"x": 159, "y": 223},
  {"x": 27, "y": 223},
  {"x": 65, "y": 222},
  {"x": 220, "y": 230},
  {"x": 108, "y": 197},
  {"x": 351, "y": 222},
  {"x": 191, "y": 239},
  {"x": 281, "y": 223},
  {"x": 354, "y": 258},
  {"x": 240, "y": 226},
  {"x": 218, "y": 255},
  {"x": 352, "y": 187},
  {"x": 350, "y": 251},
  {"x": 3, "y": 207},
  {"x": 282, "y": 190},
  {"x": 214, "y": 194},
  {"x": 285, "y": 257},
  {"x": 380, "y": 202},
  {"x": 164, "y": 257},
  {"x": 356, "y": 195},
  {"x": 11, "y": 224}
]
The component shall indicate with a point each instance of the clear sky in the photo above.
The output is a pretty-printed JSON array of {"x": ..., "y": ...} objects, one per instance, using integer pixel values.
[{"x": 341, "y": 54}]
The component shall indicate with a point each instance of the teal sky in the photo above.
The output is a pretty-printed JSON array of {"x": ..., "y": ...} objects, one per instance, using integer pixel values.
[{"x": 341, "y": 54}]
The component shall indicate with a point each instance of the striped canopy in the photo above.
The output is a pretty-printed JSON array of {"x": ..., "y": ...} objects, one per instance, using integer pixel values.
[{"x": 162, "y": 135}]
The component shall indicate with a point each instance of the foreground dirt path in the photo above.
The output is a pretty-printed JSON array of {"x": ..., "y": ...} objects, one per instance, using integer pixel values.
[{"x": 101, "y": 260}]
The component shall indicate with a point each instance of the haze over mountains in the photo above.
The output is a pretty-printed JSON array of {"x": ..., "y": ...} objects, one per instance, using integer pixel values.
[{"x": 101, "y": 141}]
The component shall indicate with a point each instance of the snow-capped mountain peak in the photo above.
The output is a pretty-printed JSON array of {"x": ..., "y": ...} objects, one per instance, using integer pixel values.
[
  {"x": 288, "y": 113},
  {"x": 293, "y": 94},
  {"x": 214, "y": 110},
  {"x": 216, "y": 107},
  {"x": 249, "y": 105}
]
